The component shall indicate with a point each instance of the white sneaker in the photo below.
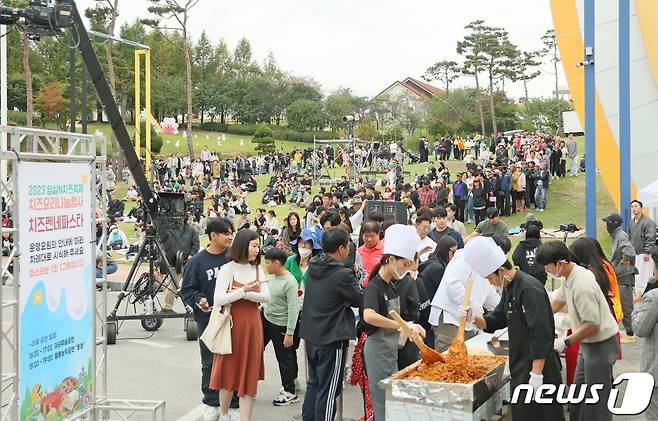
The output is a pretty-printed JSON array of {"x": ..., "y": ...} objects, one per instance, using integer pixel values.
[
  {"x": 285, "y": 398},
  {"x": 226, "y": 417},
  {"x": 211, "y": 413}
]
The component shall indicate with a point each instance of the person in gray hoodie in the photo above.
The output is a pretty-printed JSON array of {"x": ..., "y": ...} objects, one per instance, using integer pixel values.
[
  {"x": 623, "y": 259},
  {"x": 645, "y": 322}
]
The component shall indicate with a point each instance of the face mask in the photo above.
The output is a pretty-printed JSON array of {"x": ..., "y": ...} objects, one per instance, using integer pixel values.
[
  {"x": 397, "y": 274},
  {"x": 304, "y": 253}
]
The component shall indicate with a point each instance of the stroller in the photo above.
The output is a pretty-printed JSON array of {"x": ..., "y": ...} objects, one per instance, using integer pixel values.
[{"x": 413, "y": 158}]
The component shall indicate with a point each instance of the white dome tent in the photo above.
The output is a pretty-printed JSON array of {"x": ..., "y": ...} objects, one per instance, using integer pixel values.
[{"x": 649, "y": 198}]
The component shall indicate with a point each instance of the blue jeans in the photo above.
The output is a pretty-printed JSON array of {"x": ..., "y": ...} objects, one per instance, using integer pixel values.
[
  {"x": 574, "y": 165},
  {"x": 111, "y": 268},
  {"x": 541, "y": 194},
  {"x": 470, "y": 213}
]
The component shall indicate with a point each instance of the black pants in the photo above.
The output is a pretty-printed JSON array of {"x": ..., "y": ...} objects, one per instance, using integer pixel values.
[
  {"x": 286, "y": 357},
  {"x": 210, "y": 397},
  {"x": 326, "y": 364},
  {"x": 461, "y": 208},
  {"x": 480, "y": 214}
]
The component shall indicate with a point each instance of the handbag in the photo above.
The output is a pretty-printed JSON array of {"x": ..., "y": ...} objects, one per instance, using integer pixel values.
[{"x": 217, "y": 335}]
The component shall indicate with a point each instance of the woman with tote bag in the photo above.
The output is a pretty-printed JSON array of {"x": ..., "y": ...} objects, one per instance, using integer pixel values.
[{"x": 242, "y": 284}]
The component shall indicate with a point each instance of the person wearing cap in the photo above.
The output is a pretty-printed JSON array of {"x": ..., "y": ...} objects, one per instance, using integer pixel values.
[
  {"x": 445, "y": 312},
  {"x": 623, "y": 260},
  {"x": 524, "y": 254},
  {"x": 491, "y": 225},
  {"x": 525, "y": 310},
  {"x": 116, "y": 239},
  {"x": 426, "y": 195},
  {"x": 591, "y": 322},
  {"x": 386, "y": 292},
  {"x": 304, "y": 248}
]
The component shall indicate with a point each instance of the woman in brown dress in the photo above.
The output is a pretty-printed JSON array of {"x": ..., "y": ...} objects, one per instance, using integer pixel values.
[{"x": 242, "y": 284}]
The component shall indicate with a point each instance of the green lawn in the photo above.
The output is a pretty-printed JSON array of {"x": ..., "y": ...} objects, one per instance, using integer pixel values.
[{"x": 232, "y": 146}]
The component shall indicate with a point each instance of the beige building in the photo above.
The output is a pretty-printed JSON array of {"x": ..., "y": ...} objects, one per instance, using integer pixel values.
[{"x": 408, "y": 95}]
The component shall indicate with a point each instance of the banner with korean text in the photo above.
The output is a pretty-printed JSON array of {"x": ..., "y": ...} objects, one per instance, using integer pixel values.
[{"x": 57, "y": 270}]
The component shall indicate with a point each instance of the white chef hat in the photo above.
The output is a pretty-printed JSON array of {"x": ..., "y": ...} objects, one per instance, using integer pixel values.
[
  {"x": 402, "y": 241},
  {"x": 483, "y": 255}
]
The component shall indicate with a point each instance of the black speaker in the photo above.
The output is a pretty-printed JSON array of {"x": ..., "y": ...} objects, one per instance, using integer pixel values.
[{"x": 391, "y": 210}]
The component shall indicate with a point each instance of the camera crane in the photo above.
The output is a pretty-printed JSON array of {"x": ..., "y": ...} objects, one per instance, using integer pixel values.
[{"x": 162, "y": 212}]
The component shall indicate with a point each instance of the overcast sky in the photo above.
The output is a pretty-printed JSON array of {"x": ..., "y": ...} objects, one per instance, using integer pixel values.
[{"x": 364, "y": 44}]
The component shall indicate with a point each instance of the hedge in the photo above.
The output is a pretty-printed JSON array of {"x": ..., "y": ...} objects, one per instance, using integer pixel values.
[
  {"x": 212, "y": 126},
  {"x": 278, "y": 132},
  {"x": 19, "y": 118},
  {"x": 156, "y": 139}
]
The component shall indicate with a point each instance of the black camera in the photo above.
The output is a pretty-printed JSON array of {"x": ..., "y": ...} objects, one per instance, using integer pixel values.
[
  {"x": 569, "y": 227},
  {"x": 40, "y": 17}
]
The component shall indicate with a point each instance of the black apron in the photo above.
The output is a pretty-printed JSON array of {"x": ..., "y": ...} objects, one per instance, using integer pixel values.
[{"x": 520, "y": 365}]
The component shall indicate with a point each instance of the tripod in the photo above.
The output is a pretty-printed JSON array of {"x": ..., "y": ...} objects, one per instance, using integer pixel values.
[{"x": 145, "y": 289}]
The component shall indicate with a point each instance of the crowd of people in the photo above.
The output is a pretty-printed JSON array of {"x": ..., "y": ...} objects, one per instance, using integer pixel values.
[
  {"x": 313, "y": 287},
  {"x": 307, "y": 276},
  {"x": 330, "y": 256}
]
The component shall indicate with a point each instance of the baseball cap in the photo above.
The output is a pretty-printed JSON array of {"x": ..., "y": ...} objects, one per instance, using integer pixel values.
[{"x": 615, "y": 218}]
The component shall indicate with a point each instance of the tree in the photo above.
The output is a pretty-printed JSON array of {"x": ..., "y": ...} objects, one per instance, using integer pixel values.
[
  {"x": 168, "y": 86},
  {"x": 456, "y": 112},
  {"x": 411, "y": 121},
  {"x": 29, "y": 105},
  {"x": 263, "y": 139},
  {"x": 526, "y": 69},
  {"x": 51, "y": 103},
  {"x": 305, "y": 114},
  {"x": 445, "y": 71},
  {"x": 542, "y": 114},
  {"x": 204, "y": 67},
  {"x": 366, "y": 129},
  {"x": 494, "y": 52},
  {"x": 474, "y": 60},
  {"x": 302, "y": 88},
  {"x": 550, "y": 43},
  {"x": 104, "y": 16},
  {"x": 338, "y": 106},
  {"x": 179, "y": 11}
]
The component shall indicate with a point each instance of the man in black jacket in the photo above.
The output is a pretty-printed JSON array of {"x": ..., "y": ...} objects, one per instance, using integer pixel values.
[
  {"x": 327, "y": 324},
  {"x": 525, "y": 310},
  {"x": 524, "y": 254}
]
